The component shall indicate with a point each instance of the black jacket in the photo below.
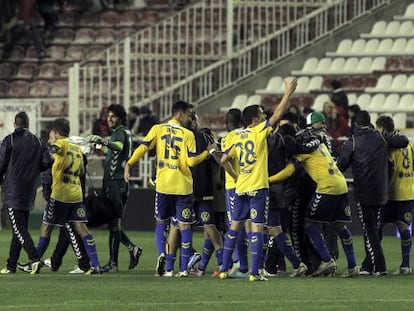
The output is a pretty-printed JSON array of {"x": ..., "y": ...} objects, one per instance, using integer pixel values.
[
  {"x": 367, "y": 152},
  {"x": 22, "y": 157},
  {"x": 202, "y": 173}
]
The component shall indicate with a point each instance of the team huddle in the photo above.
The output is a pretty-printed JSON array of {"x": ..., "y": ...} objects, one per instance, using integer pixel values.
[
  {"x": 266, "y": 168},
  {"x": 278, "y": 178}
]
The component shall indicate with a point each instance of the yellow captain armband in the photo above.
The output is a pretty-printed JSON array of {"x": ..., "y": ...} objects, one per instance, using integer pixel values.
[{"x": 283, "y": 174}]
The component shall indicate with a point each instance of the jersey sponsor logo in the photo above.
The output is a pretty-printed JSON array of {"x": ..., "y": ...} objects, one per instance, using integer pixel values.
[
  {"x": 172, "y": 166},
  {"x": 252, "y": 193},
  {"x": 246, "y": 171}
]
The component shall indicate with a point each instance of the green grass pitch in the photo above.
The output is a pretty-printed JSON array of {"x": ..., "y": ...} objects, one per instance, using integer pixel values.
[{"x": 139, "y": 289}]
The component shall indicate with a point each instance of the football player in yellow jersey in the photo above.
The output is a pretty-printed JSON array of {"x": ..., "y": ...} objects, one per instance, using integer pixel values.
[
  {"x": 65, "y": 204},
  {"x": 249, "y": 149},
  {"x": 176, "y": 152},
  {"x": 399, "y": 208},
  {"x": 329, "y": 203},
  {"x": 233, "y": 124}
]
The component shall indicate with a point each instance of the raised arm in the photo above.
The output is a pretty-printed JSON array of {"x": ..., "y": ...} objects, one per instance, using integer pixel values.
[{"x": 281, "y": 108}]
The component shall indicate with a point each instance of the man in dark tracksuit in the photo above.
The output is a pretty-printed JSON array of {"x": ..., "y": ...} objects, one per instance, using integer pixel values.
[
  {"x": 22, "y": 157},
  {"x": 282, "y": 146},
  {"x": 203, "y": 199},
  {"x": 367, "y": 152}
]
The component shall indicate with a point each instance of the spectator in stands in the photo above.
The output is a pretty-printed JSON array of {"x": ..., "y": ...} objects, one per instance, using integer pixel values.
[
  {"x": 100, "y": 126},
  {"x": 336, "y": 124},
  {"x": 352, "y": 112},
  {"x": 50, "y": 16},
  {"x": 339, "y": 98},
  {"x": 133, "y": 119},
  {"x": 148, "y": 119},
  {"x": 24, "y": 27}
]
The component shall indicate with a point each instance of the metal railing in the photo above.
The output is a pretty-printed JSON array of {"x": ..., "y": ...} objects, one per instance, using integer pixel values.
[
  {"x": 201, "y": 51},
  {"x": 139, "y": 69}
]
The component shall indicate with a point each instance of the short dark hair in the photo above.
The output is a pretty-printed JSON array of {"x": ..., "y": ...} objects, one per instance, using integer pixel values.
[
  {"x": 119, "y": 111},
  {"x": 287, "y": 129},
  {"x": 363, "y": 118},
  {"x": 134, "y": 109},
  {"x": 336, "y": 84},
  {"x": 193, "y": 116},
  {"x": 208, "y": 134},
  {"x": 386, "y": 122},
  {"x": 22, "y": 120},
  {"x": 249, "y": 113},
  {"x": 181, "y": 106},
  {"x": 354, "y": 108},
  {"x": 234, "y": 117},
  {"x": 62, "y": 126},
  {"x": 291, "y": 117},
  {"x": 307, "y": 110}
]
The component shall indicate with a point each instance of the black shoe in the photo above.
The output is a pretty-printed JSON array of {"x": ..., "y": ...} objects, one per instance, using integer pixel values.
[
  {"x": 134, "y": 256},
  {"x": 109, "y": 267},
  {"x": 160, "y": 268}
]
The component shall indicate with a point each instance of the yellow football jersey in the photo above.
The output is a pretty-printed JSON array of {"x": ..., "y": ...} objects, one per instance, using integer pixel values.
[
  {"x": 176, "y": 153},
  {"x": 225, "y": 145},
  {"x": 401, "y": 186},
  {"x": 68, "y": 165},
  {"x": 321, "y": 167},
  {"x": 249, "y": 147}
]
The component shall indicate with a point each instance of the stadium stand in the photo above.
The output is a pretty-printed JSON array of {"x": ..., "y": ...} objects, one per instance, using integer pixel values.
[
  {"x": 175, "y": 59},
  {"x": 376, "y": 63},
  {"x": 76, "y": 36}
]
